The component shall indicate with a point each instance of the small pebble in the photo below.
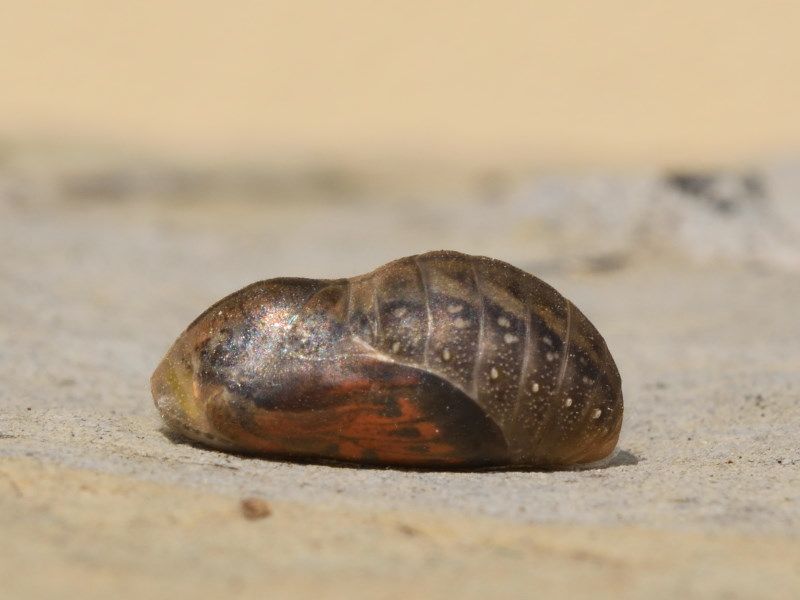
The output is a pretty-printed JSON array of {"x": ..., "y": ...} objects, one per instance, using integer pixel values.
[{"x": 255, "y": 508}]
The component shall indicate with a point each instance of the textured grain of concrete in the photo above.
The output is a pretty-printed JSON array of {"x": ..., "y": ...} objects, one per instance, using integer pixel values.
[{"x": 703, "y": 499}]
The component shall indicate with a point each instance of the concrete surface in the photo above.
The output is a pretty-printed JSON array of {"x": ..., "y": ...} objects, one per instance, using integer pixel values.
[{"x": 701, "y": 501}]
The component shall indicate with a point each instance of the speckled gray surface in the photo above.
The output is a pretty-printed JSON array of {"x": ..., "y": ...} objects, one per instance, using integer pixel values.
[
  {"x": 95, "y": 291},
  {"x": 694, "y": 288}
]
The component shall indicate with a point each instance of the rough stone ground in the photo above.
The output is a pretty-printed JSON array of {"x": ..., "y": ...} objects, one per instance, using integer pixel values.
[{"x": 694, "y": 285}]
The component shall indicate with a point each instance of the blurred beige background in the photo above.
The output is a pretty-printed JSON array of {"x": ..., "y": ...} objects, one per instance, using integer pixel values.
[{"x": 612, "y": 82}]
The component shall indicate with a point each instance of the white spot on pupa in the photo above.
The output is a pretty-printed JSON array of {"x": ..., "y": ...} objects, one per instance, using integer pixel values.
[
  {"x": 596, "y": 413},
  {"x": 446, "y": 354},
  {"x": 494, "y": 373},
  {"x": 396, "y": 347},
  {"x": 503, "y": 322},
  {"x": 568, "y": 402},
  {"x": 510, "y": 338},
  {"x": 547, "y": 341},
  {"x": 586, "y": 380},
  {"x": 461, "y": 323},
  {"x": 551, "y": 356},
  {"x": 400, "y": 311},
  {"x": 454, "y": 308},
  {"x": 535, "y": 387}
]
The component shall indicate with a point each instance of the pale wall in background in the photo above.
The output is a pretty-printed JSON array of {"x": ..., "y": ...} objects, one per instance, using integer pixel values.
[{"x": 535, "y": 82}]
